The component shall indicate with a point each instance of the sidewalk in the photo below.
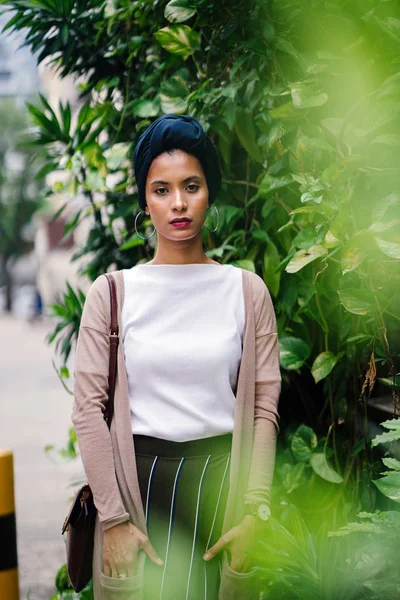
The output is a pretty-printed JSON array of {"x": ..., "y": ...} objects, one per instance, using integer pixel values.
[{"x": 35, "y": 411}]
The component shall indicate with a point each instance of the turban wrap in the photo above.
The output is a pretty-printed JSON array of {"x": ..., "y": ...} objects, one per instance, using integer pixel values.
[{"x": 176, "y": 132}]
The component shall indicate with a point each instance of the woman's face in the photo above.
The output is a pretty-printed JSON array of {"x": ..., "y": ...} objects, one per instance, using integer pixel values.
[{"x": 176, "y": 187}]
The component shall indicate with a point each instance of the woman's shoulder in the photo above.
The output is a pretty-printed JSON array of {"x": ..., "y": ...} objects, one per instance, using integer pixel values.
[
  {"x": 257, "y": 283},
  {"x": 98, "y": 292}
]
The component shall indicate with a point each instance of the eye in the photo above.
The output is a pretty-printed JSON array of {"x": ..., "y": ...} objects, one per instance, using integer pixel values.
[
  {"x": 160, "y": 191},
  {"x": 193, "y": 187}
]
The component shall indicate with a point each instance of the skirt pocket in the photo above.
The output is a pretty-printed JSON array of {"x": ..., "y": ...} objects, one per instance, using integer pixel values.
[
  {"x": 124, "y": 588},
  {"x": 238, "y": 586},
  {"x": 116, "y": 588}
]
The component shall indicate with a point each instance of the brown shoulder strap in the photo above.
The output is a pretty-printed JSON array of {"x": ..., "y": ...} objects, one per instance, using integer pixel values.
[{"x": 114, "y": 340}]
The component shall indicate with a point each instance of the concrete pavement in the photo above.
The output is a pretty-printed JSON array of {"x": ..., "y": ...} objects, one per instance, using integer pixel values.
[{"x": 34, "y": 412}]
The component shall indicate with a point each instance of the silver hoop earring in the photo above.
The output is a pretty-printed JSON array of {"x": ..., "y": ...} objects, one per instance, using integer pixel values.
[
  {"x": 141, "y": 236},
  {"x": 212, "y": 230}
]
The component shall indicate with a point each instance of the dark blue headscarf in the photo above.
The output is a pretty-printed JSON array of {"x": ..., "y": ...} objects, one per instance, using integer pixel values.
[{"x": 181, "y": 132}]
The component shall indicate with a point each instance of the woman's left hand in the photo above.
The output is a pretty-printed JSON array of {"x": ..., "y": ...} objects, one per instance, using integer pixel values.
[{"x": 237, "y": 540}]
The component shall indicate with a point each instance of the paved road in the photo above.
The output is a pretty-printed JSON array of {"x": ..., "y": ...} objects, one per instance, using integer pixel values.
[{"x": 35, "y": 411}]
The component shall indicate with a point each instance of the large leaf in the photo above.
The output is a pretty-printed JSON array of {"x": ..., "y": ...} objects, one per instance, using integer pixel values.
[
  {"x": 356, "y": 250},
  {"x": 304, "y": 257},
  {"x": 246, "y": 264},
  {"x": 293, "y": 352},
  {"x": 304, "y": 97},
  {"x": 303, "y": 443},
  {"x": 389, "y": 485},
  {"x": 356, "y": 301},
  {"x": 323, "y": 365},
  {"x": 272, "y": 276},
  {"x": 389, "y": 248},
  {"x": 391, "y": 463},
  {"x": 292, "y": 476},
  {"x": 145, "y": 108},
  {"x": 178, "y": 39},
  {"x": 178, "y": 11},
  {"x": 245, "y": 131},
  {"x": 320, "y": 466}
]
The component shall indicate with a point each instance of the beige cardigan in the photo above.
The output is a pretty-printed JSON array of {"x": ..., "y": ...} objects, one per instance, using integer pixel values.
[{"x": 109, "y": 456}]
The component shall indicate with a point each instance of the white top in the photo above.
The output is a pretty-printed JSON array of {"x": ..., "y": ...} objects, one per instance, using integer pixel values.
[{"x": 182, "y": 331}]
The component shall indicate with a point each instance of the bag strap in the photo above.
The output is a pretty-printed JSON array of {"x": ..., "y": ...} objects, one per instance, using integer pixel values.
[{"x": 114, "y": 340}]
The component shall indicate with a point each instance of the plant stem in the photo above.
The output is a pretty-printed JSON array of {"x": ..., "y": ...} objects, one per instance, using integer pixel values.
[
  {"x": 324, "y": 323},
  {"x": 241, "y": 182}
]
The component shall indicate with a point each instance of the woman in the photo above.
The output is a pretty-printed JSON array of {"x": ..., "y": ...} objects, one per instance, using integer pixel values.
[{"x": 184, "y": 475}]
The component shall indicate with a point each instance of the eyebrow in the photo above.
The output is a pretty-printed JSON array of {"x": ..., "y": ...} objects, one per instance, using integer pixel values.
[{"x": 191, "y": 178}]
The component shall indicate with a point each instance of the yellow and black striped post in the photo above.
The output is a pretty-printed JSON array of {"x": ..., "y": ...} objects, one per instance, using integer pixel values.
[{"x": 9, "y": 586}]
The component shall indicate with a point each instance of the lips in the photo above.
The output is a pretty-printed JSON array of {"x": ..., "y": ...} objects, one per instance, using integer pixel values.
[{"x": 180, "y": 221}]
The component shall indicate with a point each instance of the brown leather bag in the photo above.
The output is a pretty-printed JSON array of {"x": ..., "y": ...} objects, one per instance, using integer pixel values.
[{"x": 80, "y": 520}]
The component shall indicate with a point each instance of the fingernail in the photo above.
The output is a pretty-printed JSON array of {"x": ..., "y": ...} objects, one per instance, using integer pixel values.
[
  {"x": 159, "y": 561},
  {"x": 206, "y": 556}
]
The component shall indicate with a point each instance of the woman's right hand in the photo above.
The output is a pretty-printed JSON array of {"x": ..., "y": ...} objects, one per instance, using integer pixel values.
[{"x": 121, "y": 547}]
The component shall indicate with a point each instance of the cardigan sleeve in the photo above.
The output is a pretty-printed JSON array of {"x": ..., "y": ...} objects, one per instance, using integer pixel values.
[
  {"x": 90, "y": 399},
  {"x": 267, "y": 390}
]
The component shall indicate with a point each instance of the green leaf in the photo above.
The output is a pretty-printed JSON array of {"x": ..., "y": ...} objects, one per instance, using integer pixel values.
[
  {"x": 245, "y": 131},
  {"x": 64, "y": 372},
  {"x": 388, "y": 436},
  {"x": 391, "y": 463},
  {"x": 304, "y": 257},
  {"x": 390, "y": 139},
  {"x": 144, "y": 108},
  {"x": 389, "y": 485},
  {"x": 305, "y": 238},
  {"x": 323, "y": 365},
  {"x": 381, "y": 227},
  {"x": 389, "y": 248},
  {"x": 292, "y": 476},
  {"x": 178, "y": 11},
  {"x": 303, "y": 443},
  {"x": 359, "y": 337},
  {"x": 286, "y": 46},
  {"x": 271, "y": 274},
  {"x": 389, "y": 381},
  {"x": 132, "y": 242},
  {"x": 178, "y": 39},
  {"x": 358, "y": 447},
  {"x": 116, "y": 156},
  {"x": 94, "y": 181},
  {"x": 246, "y": 264},
  {"x": 356, "y": 250},
  {"x": 355, "y": 528},
  {"x": 304, "y": 97},
  {"x": 320, "y": 466},
  {"x": 175, "y": 105},
  {"x": 356, "y": 301},
  {"x": 176, "y": 86},
  {"x": 269, "y": 183},
  {"x": 293, "y": 353},
  {"x": 382, "y": 205}
]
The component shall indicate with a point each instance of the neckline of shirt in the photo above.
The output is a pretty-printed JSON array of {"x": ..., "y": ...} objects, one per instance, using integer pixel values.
[{"x": 182, "y": 265}]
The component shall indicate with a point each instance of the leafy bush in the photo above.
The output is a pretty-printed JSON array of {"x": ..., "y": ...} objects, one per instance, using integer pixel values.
[{"x": 301, "y": 100}]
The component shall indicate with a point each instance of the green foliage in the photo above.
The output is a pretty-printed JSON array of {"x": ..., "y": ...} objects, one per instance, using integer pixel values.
[
  {"x": 301, "y": 101},
  {"x": 373, "y": 552},
  {"x": 69, "y": 315},
  {"x": 392, "y": 435},
  {"x": 65, "y": 590},
  {"x": 70, "y": 451}
]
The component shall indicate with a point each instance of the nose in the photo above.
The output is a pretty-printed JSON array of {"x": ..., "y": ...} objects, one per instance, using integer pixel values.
[{"x": 178, "y": 200}]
